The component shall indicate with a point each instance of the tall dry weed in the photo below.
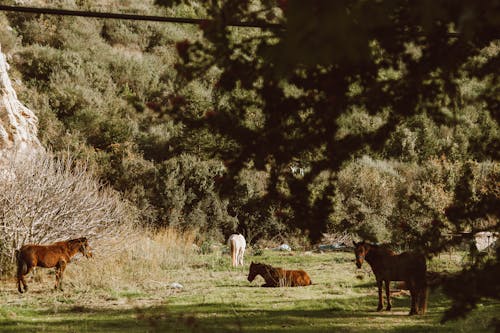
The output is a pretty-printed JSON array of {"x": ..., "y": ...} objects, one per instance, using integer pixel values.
[{"x": 144, "y": 260}]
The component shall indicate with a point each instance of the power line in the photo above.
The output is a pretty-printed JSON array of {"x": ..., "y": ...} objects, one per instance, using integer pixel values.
[
  {"x": 136, "y": 17},
  {"x": 152, "y": 18}
]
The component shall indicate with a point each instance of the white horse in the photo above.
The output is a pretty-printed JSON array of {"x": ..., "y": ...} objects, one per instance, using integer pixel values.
[{"x": 237, "y": 243}]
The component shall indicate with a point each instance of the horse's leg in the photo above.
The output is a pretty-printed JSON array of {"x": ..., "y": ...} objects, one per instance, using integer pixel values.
[
  {"x": 380, "y": 300},
  {"x": 60, "y": 267},
  {"x": 20, "y": 280},
  {"x": 20, "y": 277},
  {"x": 421, "y": 297},
  {"x": 417, "y": 300},
  {"x": 422, "y": 292},
  {"x": 63, "y": 267},
  {"x": 25, "y": 285},
  {"x": 58, "y": 274},
  {"x": 24, "y": 270},
  {"x": 388, "y": 294},
  {"x": 19, "y": 284},
  {"x": 413, "y": 297},
  {"x": 233, "y": 253},
  {"x": 416, "y": 293},
  {"x": 242, "y": 253}
]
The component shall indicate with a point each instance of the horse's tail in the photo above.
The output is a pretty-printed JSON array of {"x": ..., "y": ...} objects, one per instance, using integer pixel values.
[{"x": 22, "y": 268}]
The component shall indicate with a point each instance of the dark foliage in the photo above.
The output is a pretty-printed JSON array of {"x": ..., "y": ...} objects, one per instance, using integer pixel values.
[{"x": 397, "y": 59}]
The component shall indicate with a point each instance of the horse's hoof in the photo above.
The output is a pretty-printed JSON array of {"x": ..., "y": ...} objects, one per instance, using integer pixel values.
[
  {"x": 379, "y": 309},
  {"x": 388, "y": 308}
]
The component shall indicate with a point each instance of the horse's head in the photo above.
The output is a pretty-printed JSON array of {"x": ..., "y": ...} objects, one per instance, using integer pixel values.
[
  {"x": 84, "y": 248},
  {"x": 361, "y": 250},
  {"x": 254, "y": 271}
]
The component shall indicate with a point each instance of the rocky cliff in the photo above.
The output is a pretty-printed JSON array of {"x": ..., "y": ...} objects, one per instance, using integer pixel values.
[{"x": 18, "y": 124}]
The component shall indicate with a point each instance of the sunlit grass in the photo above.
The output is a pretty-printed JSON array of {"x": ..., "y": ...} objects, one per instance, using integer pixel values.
[{"x": 218, "y": 298}]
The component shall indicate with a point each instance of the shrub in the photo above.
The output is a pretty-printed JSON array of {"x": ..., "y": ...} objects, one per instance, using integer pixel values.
[
  {"x": 45, "y": 200},
  {"x": 8, "y": 38},
  {"x": 416, "y": 140},
  {"x": 187, "y": 195},
  {"x": 423, "y": 196},
  {"x": 366, "y": 198}
]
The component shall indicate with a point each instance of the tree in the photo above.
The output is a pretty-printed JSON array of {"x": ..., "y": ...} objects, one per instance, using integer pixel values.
[{"x": 282, "y": 92}]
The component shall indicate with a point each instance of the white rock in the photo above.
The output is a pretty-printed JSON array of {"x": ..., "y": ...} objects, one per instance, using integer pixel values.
[
  {"x": 18, "y": 124},
  {"x": 176, "y": 285},
  {"x": 284, "y": 247}
]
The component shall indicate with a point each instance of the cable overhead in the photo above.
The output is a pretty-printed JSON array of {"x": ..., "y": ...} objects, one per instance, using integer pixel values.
[{"x": 136, "y": 17}]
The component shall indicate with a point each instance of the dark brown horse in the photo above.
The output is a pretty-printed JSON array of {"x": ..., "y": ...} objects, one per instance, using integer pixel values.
[
  {"x": 389, "y": 266},
  {"x": 278, "y": 277},
  {"x": 56, "y": 255}
]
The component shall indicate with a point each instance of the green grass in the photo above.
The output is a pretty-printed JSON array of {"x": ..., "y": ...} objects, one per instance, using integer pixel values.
[{"x": 217, "y": 298}]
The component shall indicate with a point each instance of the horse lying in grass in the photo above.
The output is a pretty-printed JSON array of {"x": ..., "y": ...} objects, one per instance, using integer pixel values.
[
  {"x": 56, "y": 255},
  {"x": 389, "y": 266},
  {"x": 278, "y": 277},
  {"x": 237, "y": 243}
]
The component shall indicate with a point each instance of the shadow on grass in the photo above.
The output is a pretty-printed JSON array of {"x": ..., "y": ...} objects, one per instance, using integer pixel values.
[
  {"x": 232, "y": 317},
  {"x": 193, "y": 318}
]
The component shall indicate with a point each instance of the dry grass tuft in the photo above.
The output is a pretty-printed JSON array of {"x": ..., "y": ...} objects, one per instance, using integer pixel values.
[{"x": 141, "y": 261}]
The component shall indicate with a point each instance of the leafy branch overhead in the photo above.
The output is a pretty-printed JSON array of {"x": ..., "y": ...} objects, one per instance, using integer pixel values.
[
  {"x": 284, "y": 95},
  {"x": 390, "y": 59}
]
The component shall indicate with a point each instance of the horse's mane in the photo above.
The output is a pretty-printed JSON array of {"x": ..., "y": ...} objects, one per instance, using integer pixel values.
[
  {"x": 382, "y": 248},
  {"x": 267, "y": 266},
  {"x": 81, "y": 239},
  {"x": 73, "y": 244}
]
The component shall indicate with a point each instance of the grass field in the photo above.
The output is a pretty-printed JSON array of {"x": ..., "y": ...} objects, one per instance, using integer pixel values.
[{"x": 218, "y": 298}]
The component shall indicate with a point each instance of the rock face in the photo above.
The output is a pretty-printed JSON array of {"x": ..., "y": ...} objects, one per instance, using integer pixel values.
[
  {"x": 485, "y": 240},
  {"x": 18, "y": 124}
]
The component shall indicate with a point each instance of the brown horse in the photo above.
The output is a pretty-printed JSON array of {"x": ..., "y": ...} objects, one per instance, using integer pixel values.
[
  {"x": 56, "y": 255},
  {"x": 389, "y": 266},
  {"x": 278, "y": 277}
]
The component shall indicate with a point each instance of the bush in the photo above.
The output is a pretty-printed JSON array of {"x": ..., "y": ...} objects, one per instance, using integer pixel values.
[
  {"x": 45, "y": 200},
  {"x": 8, "y": 38},
  {"x": 366, "y": 198},
  {"x": 187, "y": 195},
  {"x": 416, "y": 140},
  {"x": 422, "y": 198}
]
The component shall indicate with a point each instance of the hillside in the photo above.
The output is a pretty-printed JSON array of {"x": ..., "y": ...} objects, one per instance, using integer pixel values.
[{"x": 113, "y": 93}]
